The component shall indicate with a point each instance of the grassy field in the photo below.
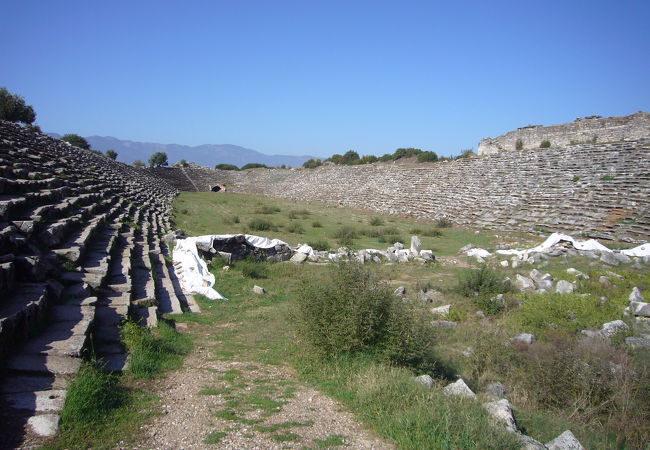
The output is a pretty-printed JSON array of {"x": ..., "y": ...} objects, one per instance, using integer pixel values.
[{"x": 601, "y": 393}]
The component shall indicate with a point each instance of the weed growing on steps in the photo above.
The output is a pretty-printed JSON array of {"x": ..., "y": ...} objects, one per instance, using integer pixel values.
[
  {"x": 99, "y": 411},
  {"x": 154, "y": 351}
]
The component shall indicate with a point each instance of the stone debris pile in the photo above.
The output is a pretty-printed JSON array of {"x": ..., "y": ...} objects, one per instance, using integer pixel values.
[{"x": 501, "y": 412}]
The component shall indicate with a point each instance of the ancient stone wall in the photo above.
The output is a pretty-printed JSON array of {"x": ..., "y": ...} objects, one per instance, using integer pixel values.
[
  {"x": 598, "y": 190},
  {"x": 587, "y": 130}
]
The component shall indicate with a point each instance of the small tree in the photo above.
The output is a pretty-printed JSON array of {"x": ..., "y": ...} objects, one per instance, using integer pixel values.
[
  {"x": 76, "y": 140},
  {"x": 14, "y": 109},
  {"x": 182, "y": 163},
  {"x": 158, "y": 159},
  {"x": 253, "y": 166},
  {"x": 111, "y": 154},
  {"x": 545, "y": 144},
  {"x": 312, "y": 163},
  {"x": 139, "y": 164},
  {"x": 467, "y": 153},
  {"x": 226, "y": 167},
  {"x": 427, "y": 157}
]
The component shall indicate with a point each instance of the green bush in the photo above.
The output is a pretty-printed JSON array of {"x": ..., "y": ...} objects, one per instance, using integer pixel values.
[
  {"x": 481, "y": 282},
  {"x": 254, "y": 166},
  {"x": 312, "y": 163},
  {"x": 345, "y": 236},
  {"x": 226, "y": 167},
  {"x": 260, "y": 225},
  {"x": 320, "y": 245},
  {"x": 230, "y": 220},
  {"x": 295, "y": 228},
  {"x": 352, "y": 311},
  {"x": 316, "y": 224},
  {"x": 443, "y": 223},
  {"x": 519, "y": 144},
  {"x": 14, "y": 109},
  {"x": 76, "y": 140},
  {"x": 427, "y": 157},
  {"x": 376, "y": 221},
  {"x": 545, "y": 144}
]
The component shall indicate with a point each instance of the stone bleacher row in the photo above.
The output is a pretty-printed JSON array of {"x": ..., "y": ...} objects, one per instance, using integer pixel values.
[
  {"x": 599, "y": 190},
  {"x": 79, "y": 247}
]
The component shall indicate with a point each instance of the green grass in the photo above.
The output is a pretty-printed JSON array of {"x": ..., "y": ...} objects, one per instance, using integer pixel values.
[
  {"x": 333, "y": 440},
  {"x": 154, "y": 352},
  {"x": 215, "y": 437},
  {"x": 100, "y": 411}
]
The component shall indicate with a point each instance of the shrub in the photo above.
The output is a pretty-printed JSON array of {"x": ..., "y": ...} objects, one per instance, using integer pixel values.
[
  {"x": 519, "y": 144},
  {"x": 254, "y": 166},
  {"x": 230, "y": 220},
  {"x": 76, "y": 140},
  {"x": 14, "y": 109},
  {"x": 427, "y": 157},
  {"x": 376, "y": 221},
  {"x": 112, "y": 154},
  {"x": 443, "y": 223},
  {"x": 575, "y": 179},
  {"x": 345, "y": 235},
  {"x": 226, "y": 167},
  {"x": 295, "y": 228},
  {"x": 316, "y": 224},
  {"x": 312, "y": 163},
  {"x": 430, "y": 232},
  {"x": 482, "y": 282},
  {"x": 467, "y": 153},
  {"x": 320, "y": 245},
  {"x": 296, "y": 213},
  {"x": 607, "y": 178},
  {"x": 352, "y": 311},
  {"x": 545, "y": 144},
  {"x": 260, "y": 225}
]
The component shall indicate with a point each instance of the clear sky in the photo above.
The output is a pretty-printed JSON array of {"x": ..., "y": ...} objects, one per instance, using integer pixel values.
[{"x": 323, "y": 77}]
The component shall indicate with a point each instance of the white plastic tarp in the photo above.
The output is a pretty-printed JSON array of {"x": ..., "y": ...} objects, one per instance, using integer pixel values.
[
  {"x": 193, "y": 272},
  {"x": 554, "y": 239}
]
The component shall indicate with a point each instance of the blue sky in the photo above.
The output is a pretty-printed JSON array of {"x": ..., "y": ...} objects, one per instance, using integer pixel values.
[{"x": 323, "y": 77}]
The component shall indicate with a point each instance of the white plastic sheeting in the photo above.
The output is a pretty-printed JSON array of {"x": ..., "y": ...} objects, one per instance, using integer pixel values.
[
  {"x": 193, "y": 272},
  {"x": 554, "y": 239}
]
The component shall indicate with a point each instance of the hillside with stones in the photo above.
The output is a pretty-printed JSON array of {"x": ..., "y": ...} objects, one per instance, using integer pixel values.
[
  {"x": 586, "y": 129},
  {"x": 79, "y": 246},
  {"x": 599, "y": 190}
]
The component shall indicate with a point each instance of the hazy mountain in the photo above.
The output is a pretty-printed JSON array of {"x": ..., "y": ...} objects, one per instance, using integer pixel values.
[{"x": 205, "y": 155}]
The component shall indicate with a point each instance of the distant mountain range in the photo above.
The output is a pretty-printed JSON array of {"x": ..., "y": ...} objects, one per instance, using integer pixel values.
[{"x": 204, "y": 155}]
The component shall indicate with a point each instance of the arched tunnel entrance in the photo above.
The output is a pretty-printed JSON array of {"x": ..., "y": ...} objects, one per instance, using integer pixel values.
[{"x": 218, "y": 188}]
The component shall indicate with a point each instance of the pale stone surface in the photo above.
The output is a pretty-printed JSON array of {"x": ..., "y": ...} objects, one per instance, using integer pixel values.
[
  {"x": 45, "y": 424},
  {"x": 501, "y": 413},
  {"x": 442, "y": 311},
  {"x": 259, "y": 290},
  {"x": 564, "y": 287},
  {"x": 41, "y": 401},
  {"x": 524, "y": 338},
  {"x": 613, "y": 328},
  {"x": 416, "y": 245},
  {"x": 565, "y": 441},
  {"x": 298, "y": 258},
  {"x": 425, "y": 380},
  {"x": 524, "y": 284},
  {"x": 459, "y": 388},
  {"x": 635, "y": 295}
]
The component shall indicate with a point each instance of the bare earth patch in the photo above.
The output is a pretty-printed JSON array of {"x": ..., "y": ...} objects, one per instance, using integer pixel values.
[{"x": 236, "y": 405}]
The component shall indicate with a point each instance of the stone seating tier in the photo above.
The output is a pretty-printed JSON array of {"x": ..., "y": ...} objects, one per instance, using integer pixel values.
[{"x": 79, "y": 236}]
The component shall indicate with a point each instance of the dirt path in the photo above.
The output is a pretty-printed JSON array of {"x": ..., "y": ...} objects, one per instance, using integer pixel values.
[{"x": 234, "y": 404}]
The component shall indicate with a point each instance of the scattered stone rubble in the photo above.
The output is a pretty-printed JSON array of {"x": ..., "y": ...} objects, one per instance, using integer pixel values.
[
  {"x": 500, "y": 410},
  {"x": 79, "y": 241}
]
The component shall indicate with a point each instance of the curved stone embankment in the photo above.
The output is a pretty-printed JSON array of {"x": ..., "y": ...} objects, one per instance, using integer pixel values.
[
  {"x": 79, "y": 240},
  {"x": 599, "y": 190}
]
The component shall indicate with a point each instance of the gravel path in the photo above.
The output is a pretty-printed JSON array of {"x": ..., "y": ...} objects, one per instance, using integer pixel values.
[{"x": 234, "y": 404}]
